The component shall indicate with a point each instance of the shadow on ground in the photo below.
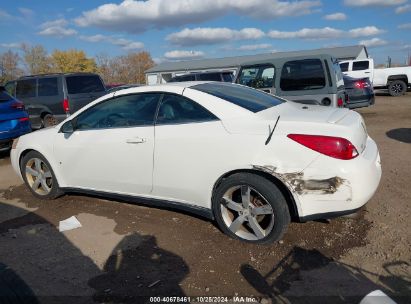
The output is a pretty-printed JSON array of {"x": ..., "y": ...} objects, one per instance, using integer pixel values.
[
  {"x": 307, "y": 276},
  {"x": 400, "y": 134},
  {"x": 40, "y": 265}
]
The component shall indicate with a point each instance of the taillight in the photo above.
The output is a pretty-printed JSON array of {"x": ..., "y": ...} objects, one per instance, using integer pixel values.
[
  {"x": 66, "y": 106},
  {"x": 17, "y": 105},
  {"x": 361, "y": 84},
  {"x": 340, "y": 102},
  {"x": 23, "y": 119},
  {"x": 335, "y": 147}
]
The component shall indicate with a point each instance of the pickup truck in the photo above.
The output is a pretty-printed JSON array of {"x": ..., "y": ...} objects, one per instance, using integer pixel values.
[{"x": 396, "y": 80}]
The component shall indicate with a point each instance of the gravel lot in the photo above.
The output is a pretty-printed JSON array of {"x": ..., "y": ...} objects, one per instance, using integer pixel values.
[{"x": 125, "y": 251}]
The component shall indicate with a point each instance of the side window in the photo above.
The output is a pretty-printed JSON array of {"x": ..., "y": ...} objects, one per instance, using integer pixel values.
[
  {"x": 120, "y": 112},
  {"x": 47, "y": 87},
  {"x": 228, "y": 77},
  {"x": 175, "y": 109},
  {"x": 344, "y": 67},
  {"x": 185, "y": 78},
  {"x": 209, "y": 77},
  {"x": 360, "y": 65},
  {"x": 258, "y": 76},
  {"x": 26, "y": 88},
  {"x": 306, "y": 74}
]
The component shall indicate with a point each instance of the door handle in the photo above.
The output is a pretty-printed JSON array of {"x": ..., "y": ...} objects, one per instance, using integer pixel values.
[
  {"x": 366, "y": 72},
  {"x": 136, "y": 140}
]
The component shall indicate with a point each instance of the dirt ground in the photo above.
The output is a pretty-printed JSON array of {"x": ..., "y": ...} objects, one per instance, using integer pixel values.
[{"x": 126, "y": 252}]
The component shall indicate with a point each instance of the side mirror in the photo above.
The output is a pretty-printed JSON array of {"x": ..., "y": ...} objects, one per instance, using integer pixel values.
[{"x": 67, "y": 127}]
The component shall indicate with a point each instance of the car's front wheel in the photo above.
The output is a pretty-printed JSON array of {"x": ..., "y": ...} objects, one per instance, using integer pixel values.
[
  {"x": 251, "y": 208},
  {"x": 39, "y": 176}
]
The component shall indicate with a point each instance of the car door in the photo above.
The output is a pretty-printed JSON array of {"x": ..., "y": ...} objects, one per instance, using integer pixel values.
[
  {"x": 112, "y": 146},
  {"x": 361, "y": 69},
  {"x": 187, "y": 149}
]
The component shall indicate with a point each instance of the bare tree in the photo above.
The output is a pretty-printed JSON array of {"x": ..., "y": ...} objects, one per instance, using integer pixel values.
[
  {"x": 36, "y": 59},
  {"x": 9, "y": 66}
]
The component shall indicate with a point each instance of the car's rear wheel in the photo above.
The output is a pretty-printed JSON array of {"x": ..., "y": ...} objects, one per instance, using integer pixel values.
[
  {"x": 397, "y": 88},
  {"x": 39, "y": 176},
  {"x": 251, "y": 208},
  {"x": 49, "y": 121}
]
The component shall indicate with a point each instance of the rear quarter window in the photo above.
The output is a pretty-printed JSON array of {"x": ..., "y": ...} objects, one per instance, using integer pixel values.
[
  {"x": 84, "y": 84},
  {"x": 306, "y": 74},
  {"x": 245, "y": 97},
  {"x": 360, "y": 65}
]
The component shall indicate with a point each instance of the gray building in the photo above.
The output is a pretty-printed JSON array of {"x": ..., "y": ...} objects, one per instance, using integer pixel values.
[{"x": 163, "y": 72}]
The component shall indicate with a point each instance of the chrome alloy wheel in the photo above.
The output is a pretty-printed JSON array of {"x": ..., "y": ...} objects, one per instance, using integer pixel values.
[
  {"x": 39, "y": 176},
  {"x": 247, "y": 213}
]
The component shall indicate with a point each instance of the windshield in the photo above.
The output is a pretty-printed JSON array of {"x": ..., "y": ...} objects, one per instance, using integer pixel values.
[{"x": 248, "y": 98}]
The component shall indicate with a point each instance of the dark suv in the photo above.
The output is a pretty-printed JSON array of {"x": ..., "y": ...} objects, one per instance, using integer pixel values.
[
  {"x": 205, "y": 76},
  {"x": 50, "y": 98}
]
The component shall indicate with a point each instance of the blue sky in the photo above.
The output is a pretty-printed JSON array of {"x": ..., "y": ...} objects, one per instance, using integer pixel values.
[{"x": 189, "y": 29}]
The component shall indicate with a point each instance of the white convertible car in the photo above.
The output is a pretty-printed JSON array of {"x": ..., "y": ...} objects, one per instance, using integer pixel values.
[{"x": 245, "y": 158}]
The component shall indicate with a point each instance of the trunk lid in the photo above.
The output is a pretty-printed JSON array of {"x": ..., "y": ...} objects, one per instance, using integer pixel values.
[{"x": 319, "y": 120}]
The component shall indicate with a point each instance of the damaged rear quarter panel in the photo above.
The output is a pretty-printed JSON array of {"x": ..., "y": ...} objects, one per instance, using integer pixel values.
[{"x": 311, "y": 190}]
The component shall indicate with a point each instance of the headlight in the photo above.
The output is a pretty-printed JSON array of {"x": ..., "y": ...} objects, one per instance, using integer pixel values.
[{"x": 15, "y": 142}]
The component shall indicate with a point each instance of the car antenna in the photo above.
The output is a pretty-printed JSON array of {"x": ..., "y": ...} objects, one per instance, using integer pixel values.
[{"x": 271, "y": 131}]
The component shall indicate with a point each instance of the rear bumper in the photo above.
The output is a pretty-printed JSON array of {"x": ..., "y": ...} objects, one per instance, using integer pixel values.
[
  {"x": 364, "y": 101},
  {"x": 6, "y": 137},
  {"x": 351, "y": 184}
]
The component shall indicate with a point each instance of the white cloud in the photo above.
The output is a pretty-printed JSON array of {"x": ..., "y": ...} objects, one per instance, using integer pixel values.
[
  {"x": 26, "y": 12},
  {"x": 56, "y": 28},
  {"x": 373, "y": 2},
  {"x": 4, "y": 14},
  {"x": 125, "y": 44},
  {"x": 206, "y": 35},
  {"x": 254, "y": 47},
  {"x": 365, "y": 31},
  {"x": 335, "y": 16},
  {"x": 57, "y": 31},
  {"x": 405, "y": 26},
  {"x": 12, "y": 45},
  {"x": 178, "y": 55},
  {"x": 403, "y": 9},
  {"x": 138, "y": 16},
  {"x": 325, "y": 33},
  {"x": 373, "y": 42}
]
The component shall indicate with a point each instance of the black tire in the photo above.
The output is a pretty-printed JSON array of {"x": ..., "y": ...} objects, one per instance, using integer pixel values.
[
  {"x": 52, "y": 181},
  {"x": 270, "y": 193},
  {"x": 48, "y": 121},
  {"x": 397, "y": 88}
]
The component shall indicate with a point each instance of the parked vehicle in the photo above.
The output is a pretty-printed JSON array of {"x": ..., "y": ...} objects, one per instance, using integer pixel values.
[
  {"x": 14, "y": 120},
  {"x": 315, "y": 79},
  {"x": 359, "y": 92},
  {"x": 246, "y": 158},
  {"x": 226, "y": 76},
  {"x": 396, "y": 80},
  {"x": 122, "y": 87},
  {"x": 50, "y": 98}
]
